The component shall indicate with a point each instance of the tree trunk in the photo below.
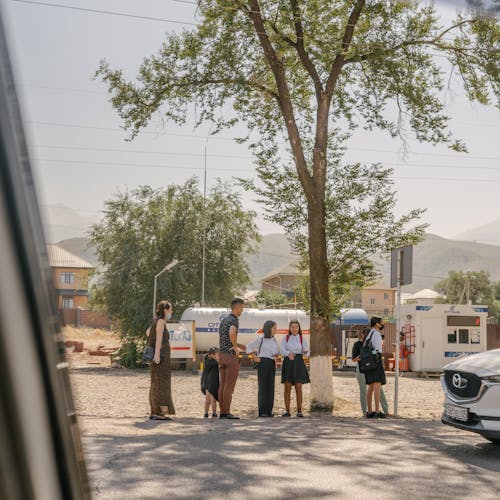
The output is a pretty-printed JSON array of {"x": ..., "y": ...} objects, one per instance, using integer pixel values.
[{"x": 321, "y": 364}]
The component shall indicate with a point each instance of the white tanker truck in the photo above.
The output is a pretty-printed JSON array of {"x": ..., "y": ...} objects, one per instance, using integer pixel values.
[{"x": 207, "y": 320}]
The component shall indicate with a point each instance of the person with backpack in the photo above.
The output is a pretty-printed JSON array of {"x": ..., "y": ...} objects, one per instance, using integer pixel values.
[
  {"x": 265, "y": 351},
  {"x": 356, "y": 351},
  {"x": 371, "y": 365},
  {"x": 210, "y": 381},
  {"x": 294, "y": 371}
]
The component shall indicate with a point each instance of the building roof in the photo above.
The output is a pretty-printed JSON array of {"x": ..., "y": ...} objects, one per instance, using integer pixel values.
[
  {"x": 289, "y": 269},
  {"x": 426, "y": 293},
  {"x": 59, "y": 257}
]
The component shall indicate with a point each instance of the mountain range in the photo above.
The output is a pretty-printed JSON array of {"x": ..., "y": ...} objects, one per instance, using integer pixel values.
[{"x": 432, "y": 259}]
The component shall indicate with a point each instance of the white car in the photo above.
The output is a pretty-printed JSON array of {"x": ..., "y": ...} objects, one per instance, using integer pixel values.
[{"x": 472, "y": 394}]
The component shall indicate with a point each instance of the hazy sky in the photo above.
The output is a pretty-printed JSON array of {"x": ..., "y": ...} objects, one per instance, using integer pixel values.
[{"x": 80, "y": 156}]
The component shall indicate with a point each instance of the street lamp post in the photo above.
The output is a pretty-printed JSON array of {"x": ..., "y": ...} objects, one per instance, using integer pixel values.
[{"x": 166, "y": 268}]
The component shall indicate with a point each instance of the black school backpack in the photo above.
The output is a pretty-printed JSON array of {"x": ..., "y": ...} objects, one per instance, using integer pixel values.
[{"x": 368, "y": 360}]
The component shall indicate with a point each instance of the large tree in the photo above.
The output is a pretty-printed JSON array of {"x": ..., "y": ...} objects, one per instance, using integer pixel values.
[
  {"x": 309, "y": 73},
  {"x": 460, "y": 287},
  {"x": 145, "y": 229}
]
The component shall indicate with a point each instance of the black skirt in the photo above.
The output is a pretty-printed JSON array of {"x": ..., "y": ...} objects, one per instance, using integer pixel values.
[
  {"x": 377, "y": 375},
  {"x": 294, "y": 371}
]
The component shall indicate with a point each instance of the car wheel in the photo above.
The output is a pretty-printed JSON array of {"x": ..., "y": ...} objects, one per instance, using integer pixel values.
[{"x": 494, "y": 440}]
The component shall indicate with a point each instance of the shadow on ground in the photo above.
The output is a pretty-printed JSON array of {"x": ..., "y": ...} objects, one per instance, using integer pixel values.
[{"x": 317, "y": 457}]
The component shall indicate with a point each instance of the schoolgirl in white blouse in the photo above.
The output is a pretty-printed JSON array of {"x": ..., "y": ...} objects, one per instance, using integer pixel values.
[
  {"x": 294, "y": 371},
  {"x": 265, "y": 350}
]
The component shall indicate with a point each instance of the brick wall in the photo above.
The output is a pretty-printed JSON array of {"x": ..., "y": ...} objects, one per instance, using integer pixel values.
[{"x": 83, "y": 317}]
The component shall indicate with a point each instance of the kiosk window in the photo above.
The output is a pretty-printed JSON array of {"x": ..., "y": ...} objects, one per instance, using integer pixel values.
[
  {"x": 452, "y": 337},
  {"x": 463, "y": 320},
  {"x": 463, "y": 336}
]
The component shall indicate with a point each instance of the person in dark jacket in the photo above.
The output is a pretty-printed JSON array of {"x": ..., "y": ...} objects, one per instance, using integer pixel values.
[
  {"x": 356, "y": 351},
  {"x": 210, "y": 381}
]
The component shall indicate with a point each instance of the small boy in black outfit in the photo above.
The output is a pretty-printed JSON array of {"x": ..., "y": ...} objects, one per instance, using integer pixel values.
[{"x": 210, "y": 381}]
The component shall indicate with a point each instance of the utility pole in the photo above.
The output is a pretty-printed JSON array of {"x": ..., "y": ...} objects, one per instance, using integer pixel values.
[{"x": 204, "y": 215}]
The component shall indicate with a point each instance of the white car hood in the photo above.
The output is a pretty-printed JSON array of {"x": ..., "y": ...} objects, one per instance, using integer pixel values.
[{"x": 483, "y": 364}]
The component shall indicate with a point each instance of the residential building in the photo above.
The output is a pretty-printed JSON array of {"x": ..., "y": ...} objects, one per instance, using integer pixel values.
[
  {"x": 379, "y": 299},
  {"x": 284, "y": 280},
  {"x": 70, "y": 276}
]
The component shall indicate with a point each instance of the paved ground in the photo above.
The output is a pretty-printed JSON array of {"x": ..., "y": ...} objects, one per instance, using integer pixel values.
[{"x": 315, "y": 457}]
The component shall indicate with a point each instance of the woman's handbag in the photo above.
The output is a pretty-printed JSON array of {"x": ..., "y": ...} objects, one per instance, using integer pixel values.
[
  {"x": 255, "y": 365},
  {"x": 148, "y": 355}
]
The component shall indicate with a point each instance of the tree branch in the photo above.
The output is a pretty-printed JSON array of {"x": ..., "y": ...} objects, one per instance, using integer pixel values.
[
  {"x": 285, "y": 102},
  {"x": 412, "y": 43},
  {"x": 301, "y": 51},
  {"x": 346, "y": 43}
]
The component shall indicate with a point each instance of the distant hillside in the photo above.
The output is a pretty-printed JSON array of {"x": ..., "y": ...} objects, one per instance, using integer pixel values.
[
  {"x": 488, "y": 233},
  {"x": 274, "y": 252},
  {"x": 433, "y": 258}
]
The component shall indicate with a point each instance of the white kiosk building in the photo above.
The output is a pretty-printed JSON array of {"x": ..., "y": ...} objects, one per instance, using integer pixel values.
[{"x": 436, "y": 334}]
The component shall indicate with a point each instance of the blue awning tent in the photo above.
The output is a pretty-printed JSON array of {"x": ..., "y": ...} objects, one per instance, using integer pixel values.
[{"x": 352, "y": 317}]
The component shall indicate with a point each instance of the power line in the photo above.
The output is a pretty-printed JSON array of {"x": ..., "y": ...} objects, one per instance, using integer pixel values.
[
  {"x": 112, "y": 150},
  {"x": 117, "y": 150},
  {"x": 136, "y": 165},
  {"x": 215, "y": 137},
  {"x": 107, "y": 12},
  {"x": 91, "y": 127},
  {"x": 149, "y": 165},
  {"x": 447, "y": 179}
]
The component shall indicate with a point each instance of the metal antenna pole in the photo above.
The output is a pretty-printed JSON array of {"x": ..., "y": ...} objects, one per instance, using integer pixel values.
[
  {"x": 396, "y": 381},
  {"x": 203, "y": 253}
]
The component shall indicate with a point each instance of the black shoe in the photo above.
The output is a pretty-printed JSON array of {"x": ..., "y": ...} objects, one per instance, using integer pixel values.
[
  {"x": 222, "y": 415},
  {"x": 381, "y": 414},
  {"x": 286, "y": 414},
  {"x": 299, "y": 414},
  {"x": 214, "y": 415},
  {"x": 371, "y": 414},
  {"x": 206, "y": 415},
  {"x": 231, "y": 416}
]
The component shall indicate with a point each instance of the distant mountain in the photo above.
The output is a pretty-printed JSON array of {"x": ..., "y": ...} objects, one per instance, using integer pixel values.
[
  {"x": 80, "y": 248},
  {"x": 488, "y": 233},
  {"x": 61, "y": 222},
  {"x": 433, "y": 258},
  {"x": 436, "y": 256},
  {"x": 274, "y": 252}
]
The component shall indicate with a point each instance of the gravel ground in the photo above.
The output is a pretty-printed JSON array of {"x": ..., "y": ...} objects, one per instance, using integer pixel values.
[
  {"x": 101, "y": 391},
  {"x": 121, "y": 393}
]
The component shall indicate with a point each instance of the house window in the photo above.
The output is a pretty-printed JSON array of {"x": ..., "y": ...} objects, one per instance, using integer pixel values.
[
  {"x": 372, "y": 301},
  {"x": 67, "y": 303},
  {"x": 386, "y": 312},
  {"x": 67, "y": 278},
  {"x": 386, "y": 296}
]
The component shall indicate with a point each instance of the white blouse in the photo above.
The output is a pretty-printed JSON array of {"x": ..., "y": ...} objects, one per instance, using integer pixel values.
[
  {"x": 269, "y": 348},
  {"x": 293, "y": 346}
]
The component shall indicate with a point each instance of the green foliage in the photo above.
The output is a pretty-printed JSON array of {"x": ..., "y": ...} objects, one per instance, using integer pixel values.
[
  {"x": 269, "y": 298},
  {"x": 459, "y": 285},
  {"x": 311, "y": 73},
  {"x": 145, "y": 229}
]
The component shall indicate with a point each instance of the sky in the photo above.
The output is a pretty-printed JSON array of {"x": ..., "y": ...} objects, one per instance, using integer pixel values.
[{"x": 81, "y": 158}]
